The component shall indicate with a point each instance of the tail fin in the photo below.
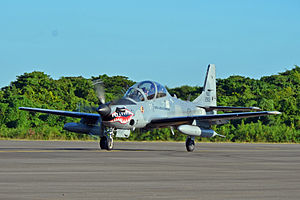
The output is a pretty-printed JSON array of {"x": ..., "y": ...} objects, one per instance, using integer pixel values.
[{"x": 208, "y": 96}]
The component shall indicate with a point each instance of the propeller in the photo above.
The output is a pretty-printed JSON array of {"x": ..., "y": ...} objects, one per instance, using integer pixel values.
[
  {"x": 99, "y": 90},
  {"x": 104, "y": 108}
]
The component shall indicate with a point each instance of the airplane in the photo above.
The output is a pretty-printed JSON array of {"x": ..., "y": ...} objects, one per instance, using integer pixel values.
[{"x": 147, "y": 105}]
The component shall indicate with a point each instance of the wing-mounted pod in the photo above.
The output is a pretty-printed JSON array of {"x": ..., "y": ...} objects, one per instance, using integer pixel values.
[
  {"x": 192, "y": 130},
  {"x": 85, "y": 127}
]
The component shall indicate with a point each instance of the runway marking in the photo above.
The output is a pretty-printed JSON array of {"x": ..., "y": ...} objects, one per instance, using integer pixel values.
[
  {"x": 22, "y": 151},
  {"x": 52, "y": 151}
]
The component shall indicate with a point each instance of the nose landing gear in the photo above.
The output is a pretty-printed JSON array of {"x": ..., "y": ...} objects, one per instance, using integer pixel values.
[{"x": 107, "y": 141}]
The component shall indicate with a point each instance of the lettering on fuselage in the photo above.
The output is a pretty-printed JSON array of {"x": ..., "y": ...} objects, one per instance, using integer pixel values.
[
  {"x": 161, "y": 108},
  {"x": 122, "y": 117}
]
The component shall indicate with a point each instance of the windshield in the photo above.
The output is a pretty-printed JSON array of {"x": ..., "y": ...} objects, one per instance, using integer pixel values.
[
  {"x": 146, "y": 90},
  {"x": 135, "y": 94}
]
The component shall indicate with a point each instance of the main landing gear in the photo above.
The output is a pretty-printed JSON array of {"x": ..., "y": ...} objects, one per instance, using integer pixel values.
[
  {"x": 107, "y": 141},
  {"x": 190, "y": 143}
]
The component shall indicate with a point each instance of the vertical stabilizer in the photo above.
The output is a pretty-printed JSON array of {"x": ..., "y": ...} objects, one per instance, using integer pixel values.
[{"x": 208, "y": 96}]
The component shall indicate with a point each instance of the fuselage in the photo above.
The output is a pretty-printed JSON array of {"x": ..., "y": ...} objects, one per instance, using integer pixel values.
[{"x": 140, "y": 109}]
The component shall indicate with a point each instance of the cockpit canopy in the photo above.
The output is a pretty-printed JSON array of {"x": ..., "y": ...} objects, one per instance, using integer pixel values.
[{"x": 146, "y": 90}]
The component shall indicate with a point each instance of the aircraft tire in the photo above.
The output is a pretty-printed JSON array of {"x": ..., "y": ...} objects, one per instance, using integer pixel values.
[
  {"x": 109, "y": 143},
  {"x": 103, "y": 143},
  {"x": 189, "y": 144}
]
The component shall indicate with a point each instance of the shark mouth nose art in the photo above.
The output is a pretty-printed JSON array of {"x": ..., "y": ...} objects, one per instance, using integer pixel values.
[{"x": 122, "y": 117}]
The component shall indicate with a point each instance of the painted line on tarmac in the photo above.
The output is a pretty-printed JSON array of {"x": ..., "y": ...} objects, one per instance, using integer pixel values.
[{"x": 52, "y": 151}]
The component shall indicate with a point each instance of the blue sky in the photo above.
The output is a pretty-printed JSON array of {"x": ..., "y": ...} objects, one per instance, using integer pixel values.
[{"x": 171, "y": 42}]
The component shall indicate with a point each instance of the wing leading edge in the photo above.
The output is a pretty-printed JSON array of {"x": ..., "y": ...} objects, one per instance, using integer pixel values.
[
  {"x": 173, "y": 121},
  {"x": 228, "y": 108},
  {"x": 91, "y": 116}
]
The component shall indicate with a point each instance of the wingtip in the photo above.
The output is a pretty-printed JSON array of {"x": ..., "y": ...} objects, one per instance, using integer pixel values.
[
  {"x": 275, "y": 113},
  {"x": 256, "y": 108}
]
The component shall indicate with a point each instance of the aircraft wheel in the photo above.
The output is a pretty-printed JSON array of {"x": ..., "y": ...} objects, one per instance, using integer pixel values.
[
  {"x": 103, "y": 143},
  {"x": 190, "y": 144},
  {"x": 109, "y": 143}
]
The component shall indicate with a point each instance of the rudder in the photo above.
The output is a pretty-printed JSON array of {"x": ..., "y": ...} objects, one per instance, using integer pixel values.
[{"x": 208, "y": 96}]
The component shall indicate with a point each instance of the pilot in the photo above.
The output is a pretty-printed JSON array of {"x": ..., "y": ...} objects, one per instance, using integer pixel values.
[
  {"x": 138, "y": 96},
  {"x": 161, "y": 91},
  {"x": 152, "y": 89},
  {"x": 145, "y": 91},
  {"x": 151, "y": 92}
]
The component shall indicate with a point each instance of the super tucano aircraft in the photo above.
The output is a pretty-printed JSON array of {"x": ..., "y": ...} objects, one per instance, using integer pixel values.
[{"x": 148, "y": 105}]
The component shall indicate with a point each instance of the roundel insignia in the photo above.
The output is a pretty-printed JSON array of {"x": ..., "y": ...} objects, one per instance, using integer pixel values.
[{"x": 142, "y": 109}]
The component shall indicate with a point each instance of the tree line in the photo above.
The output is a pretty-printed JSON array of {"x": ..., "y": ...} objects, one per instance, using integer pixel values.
[{"x": 36, "y": 89}]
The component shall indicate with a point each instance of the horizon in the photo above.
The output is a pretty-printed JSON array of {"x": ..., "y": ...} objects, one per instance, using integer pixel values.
[{"x": 201, "y": 84}]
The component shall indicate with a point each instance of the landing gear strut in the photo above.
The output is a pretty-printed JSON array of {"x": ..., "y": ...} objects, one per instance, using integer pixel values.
[
  {"x": 190, "y": 143},
  {"x": 107, "y": 141}
]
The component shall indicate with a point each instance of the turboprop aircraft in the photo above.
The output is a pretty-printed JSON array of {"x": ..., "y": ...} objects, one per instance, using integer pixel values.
[{"x": 148, "y": 105}]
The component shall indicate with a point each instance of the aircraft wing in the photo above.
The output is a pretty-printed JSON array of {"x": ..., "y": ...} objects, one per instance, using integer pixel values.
[
  {"x": 91, "y": 116},
  {"x": 213, "y": 119},
  {"x": 228, "y": 108}
]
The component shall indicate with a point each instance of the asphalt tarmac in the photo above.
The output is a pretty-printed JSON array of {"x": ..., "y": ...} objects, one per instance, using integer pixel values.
[{"x": 148, "y": 170}]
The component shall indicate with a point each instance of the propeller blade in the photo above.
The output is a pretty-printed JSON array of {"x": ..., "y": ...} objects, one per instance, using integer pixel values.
[
  {"x": 99, "y": 90},
  {"x": 104, "y": 109}
]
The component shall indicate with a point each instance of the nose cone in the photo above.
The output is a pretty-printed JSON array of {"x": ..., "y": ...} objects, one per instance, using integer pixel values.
[{"x": 104, "y": 110}]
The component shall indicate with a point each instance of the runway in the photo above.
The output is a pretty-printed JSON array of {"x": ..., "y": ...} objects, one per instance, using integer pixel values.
[{"x": 148, "y": 170}]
